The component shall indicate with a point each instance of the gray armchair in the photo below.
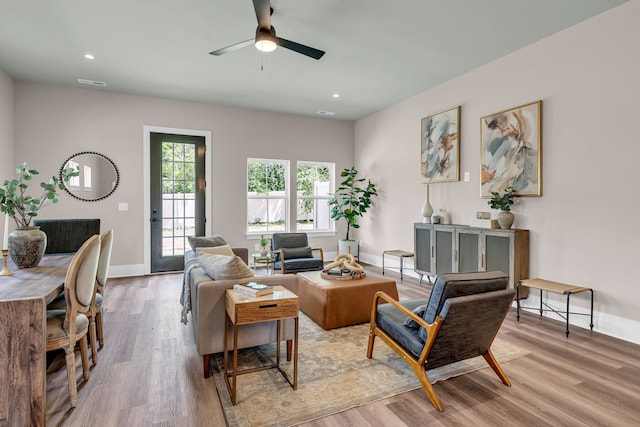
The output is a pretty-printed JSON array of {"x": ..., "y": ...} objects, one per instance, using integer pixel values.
[
  {"x": 459, "y": 321},
  {"x": 291, "y": 253}
]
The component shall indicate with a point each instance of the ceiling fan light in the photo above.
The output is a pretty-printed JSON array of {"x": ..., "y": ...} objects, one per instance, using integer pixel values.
[{"x": 265, "y": 43}]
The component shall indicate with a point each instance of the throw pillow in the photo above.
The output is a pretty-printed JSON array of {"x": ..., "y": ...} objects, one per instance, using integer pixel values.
[
  {"x": 216, "y": 250},
  {"x": 206, "y": 241},
  {"x": 419, "y": 311},
  {"x": 293, "y": 253},
  {"x": 224, "y": 267}
]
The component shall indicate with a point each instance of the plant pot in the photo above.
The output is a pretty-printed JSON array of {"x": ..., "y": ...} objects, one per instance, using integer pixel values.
[
  {"x": 263, "y": 251},
  {"x": 505, "y": 219},
  {"x": 348, "y": 247},
  {"x": 26, "y": 246}
]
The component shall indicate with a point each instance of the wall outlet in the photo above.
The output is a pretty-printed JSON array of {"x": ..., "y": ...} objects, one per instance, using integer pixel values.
[
  {"x": 123, "y": 206},
  {"x": 466, "y": 177}
]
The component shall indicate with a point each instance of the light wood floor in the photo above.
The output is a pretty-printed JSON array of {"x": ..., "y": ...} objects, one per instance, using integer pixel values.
[{"x": 149, "y": 374}]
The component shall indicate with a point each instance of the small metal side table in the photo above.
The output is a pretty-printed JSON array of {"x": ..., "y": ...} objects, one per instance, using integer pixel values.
[
  {"x": 267, "y": 260},
  {"x": 242, "y": 310},
  {"x": 397, "y": 253}
]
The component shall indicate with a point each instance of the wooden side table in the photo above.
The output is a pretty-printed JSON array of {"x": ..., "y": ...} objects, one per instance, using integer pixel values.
[
  {"x": 555, "y": 287},
  {"x": 243, "y": 310}
]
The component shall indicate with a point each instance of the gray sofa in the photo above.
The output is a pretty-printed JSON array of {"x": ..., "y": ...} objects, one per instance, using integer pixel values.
[{"x": 208, "y": 310}]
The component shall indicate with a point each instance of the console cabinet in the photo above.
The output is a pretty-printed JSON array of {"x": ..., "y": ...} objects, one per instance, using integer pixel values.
[{"x": 460, "y": 248}]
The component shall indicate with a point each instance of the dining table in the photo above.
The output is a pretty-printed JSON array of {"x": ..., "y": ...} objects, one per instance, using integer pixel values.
[{"x": 24, "y": 296}]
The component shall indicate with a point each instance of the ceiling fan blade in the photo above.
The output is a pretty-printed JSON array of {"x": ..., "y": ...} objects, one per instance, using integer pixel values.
[
  {"x": 300, "y": 48},
  {"x": 232, "y": 48},
  {"x": 263, "y": 13}
]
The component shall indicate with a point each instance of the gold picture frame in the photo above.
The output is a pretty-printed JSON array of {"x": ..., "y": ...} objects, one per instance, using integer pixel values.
[
  {"x": 440, "y": 146},
  {"x": 511, "y": 151}
]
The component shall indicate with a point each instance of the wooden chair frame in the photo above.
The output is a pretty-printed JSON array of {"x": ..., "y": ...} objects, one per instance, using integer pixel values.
[
  {"x": 73, "y": 336},
  {"x": 418, "y": 364}
]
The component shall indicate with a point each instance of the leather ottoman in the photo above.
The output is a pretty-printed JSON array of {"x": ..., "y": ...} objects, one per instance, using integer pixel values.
[{"x": 337, "y": 303}]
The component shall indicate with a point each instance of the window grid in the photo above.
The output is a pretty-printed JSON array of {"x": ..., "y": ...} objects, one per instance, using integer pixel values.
[{"x": 178, "y": 196}]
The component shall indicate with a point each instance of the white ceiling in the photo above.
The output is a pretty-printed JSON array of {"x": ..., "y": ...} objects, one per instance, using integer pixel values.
[{"x": 378, "y": 52}]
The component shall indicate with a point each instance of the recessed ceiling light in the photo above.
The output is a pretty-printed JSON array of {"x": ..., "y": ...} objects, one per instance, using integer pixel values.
[
  {"x": 89, "y": 56},
  {"x": 336, "y": 95},
  {"x": 91, "y": 82},
  {"x": 326, "y": 113}
]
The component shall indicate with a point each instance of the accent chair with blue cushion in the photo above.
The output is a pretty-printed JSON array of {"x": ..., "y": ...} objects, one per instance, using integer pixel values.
[
  {"x": 291, "y": 253},
  {"x": 459, "y": 321}
]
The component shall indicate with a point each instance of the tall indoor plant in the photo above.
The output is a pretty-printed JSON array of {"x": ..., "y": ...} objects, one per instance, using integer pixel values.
[
  {"x": 503, "y": 202},
  {"x": 351, "y": 201},
  {"x": 27, "y": 244}
]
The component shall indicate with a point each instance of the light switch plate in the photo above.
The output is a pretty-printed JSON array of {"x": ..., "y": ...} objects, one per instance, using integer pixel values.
[
  {"x": 123, "y": 206},
  {"x": 466, "y": 177}
]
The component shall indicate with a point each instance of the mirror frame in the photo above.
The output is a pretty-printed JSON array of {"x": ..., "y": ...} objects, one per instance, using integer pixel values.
[{"x": 96, "y": 154}]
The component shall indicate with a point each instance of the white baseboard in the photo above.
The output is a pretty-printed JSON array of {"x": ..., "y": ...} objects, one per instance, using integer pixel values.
[
  {"x": 604, "y": 323},
  {"x": 126, "y": 270}
]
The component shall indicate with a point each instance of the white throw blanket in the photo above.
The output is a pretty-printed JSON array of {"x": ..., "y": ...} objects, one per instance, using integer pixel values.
[{"x": 185, "y": 297}]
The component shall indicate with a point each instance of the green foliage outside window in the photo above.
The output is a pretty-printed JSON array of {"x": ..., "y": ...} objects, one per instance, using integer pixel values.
[
  {"x": 265, "y": 177},
  {"x": 178, "y": 168}
]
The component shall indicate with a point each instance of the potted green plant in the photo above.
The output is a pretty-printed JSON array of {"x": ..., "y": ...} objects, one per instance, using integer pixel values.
[
  {"x": 351, "y": 201},
  {"x": 503, "y": 202},
  {"x": 26, "y": 244},
  {"x": 263, "y": 245}
]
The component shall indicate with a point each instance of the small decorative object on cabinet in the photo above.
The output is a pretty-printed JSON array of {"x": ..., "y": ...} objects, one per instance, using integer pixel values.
[
  {"x": 27, "y": 244},
  {"x": 503, "y": 202}
]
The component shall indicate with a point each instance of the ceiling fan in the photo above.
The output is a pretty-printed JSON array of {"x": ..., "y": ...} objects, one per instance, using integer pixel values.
[{"x": 266, "y": 40}]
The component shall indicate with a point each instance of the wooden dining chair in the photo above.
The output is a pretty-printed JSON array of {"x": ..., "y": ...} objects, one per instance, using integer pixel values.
[
  {"x": 66, "y": 327},
  {"x": 106, "y": 243},
  {"x": 96, "y": 335}
]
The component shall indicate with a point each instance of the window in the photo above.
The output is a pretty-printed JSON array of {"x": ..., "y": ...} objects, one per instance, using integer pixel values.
[
  {"x": 87, "y": 178},
  {"x": 267, "y": 196},
  {"x": 314, "y": 182},
  {"x": 74, "y": 182}
]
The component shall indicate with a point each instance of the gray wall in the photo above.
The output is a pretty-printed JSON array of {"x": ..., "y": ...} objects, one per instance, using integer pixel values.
[
  {"x": 7, "y": 167},
  {"x": 54, "y": 122},
  {"x": 583, "y": 228}
]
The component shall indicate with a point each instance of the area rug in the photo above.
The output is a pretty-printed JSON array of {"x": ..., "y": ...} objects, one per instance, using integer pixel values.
[{"x": 334, "y": 374}]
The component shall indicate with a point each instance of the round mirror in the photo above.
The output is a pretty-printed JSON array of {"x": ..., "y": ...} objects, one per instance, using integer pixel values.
[{"x": 98, "y": 176}]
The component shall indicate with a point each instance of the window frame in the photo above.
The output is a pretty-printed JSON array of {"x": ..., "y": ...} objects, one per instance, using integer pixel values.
[
  {"x": 285, "y": 196},
  {"x": 330, "y": 231}
]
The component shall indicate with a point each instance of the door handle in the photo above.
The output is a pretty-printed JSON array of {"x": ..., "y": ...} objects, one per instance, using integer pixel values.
[{"x": 154, "y": 214}]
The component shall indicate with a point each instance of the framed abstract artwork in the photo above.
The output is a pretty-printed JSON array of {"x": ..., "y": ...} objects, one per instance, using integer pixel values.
[
  {"x": 440, "y": 146},
  {"x": 510, "y": 151}
]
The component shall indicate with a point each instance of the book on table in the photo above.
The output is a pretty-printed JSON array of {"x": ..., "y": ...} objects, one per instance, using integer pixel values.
[{"x": 253, "y": 289}]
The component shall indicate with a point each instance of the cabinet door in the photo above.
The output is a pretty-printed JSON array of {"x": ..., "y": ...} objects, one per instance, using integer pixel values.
[
  {"x": 422, "y": 241},
  {"x": 444, "y": 253},
  {"x": 469, "y": 249},
  {"x": 498, "y": 252}
]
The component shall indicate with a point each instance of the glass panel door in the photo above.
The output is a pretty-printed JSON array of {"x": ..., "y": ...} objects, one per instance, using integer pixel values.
[{"x": 177, "y": 197}]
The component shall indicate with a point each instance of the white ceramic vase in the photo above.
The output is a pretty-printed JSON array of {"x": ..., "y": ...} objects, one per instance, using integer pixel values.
[
  {"x": 348, "y": 247},
  {"x": 427, "y": 209}
]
